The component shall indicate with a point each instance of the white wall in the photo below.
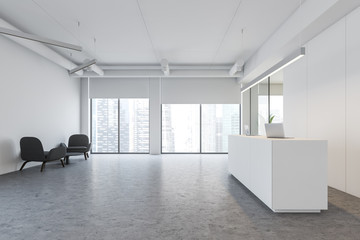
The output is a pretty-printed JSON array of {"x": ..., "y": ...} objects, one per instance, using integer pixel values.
[
  {"x": 326, "y": 97},
  {"x": 37, "y": 98},
  {"x": 321, "y": 97},
  {"x": 352, "y": 101},
  {"x": 295, "y": 99}
]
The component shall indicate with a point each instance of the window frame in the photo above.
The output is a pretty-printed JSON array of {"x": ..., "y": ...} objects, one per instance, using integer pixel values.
[
  {"x": 200, "y": 152},
  {"x": 118, "y": 151}
]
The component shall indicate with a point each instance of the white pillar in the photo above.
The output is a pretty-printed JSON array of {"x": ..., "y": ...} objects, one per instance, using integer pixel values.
[
  {"x": 155, "y": 115},
  {"x": 85, "y": 107}
]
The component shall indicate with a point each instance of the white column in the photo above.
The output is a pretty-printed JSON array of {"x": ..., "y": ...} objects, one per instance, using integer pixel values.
[
  {"x": 155, "y": 115},
  {"x": 85, "y": 107}
]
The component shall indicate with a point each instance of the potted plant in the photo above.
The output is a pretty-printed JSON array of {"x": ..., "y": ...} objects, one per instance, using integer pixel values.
[{"x": 271, "y": 117}]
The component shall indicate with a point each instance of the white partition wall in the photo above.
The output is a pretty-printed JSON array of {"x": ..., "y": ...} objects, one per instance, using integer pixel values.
[
  {"x": 352, "y": 103},
  {"x": 326, "y": 97},
  {"x": 295, "y": 97},
  {"x": 321, "y": 98}
]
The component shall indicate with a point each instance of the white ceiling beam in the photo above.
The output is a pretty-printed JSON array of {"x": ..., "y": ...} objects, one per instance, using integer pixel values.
[
  {"x": 40, "y": 49},
  {"x": 237, "y": 67},
  {"x": 35, "y": 38},
  {"x": 274, "y": 69},
  {"x": 158, "y": 73},
  {"x": 165, "y": 67},
  {"x": 310, "y": 19},
  {"x": 82, "y": 66},
  {"x": 95, "y": 68},
  {"x": 173, "y": 67}
]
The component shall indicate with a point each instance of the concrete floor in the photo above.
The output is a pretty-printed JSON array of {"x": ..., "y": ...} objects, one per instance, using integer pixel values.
[{"x": 155, "y": 197}]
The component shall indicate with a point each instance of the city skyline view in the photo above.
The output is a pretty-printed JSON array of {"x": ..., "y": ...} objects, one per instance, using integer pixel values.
[
  {"x": 198, "y": 127},
  {"x": 122, "y": 126}
]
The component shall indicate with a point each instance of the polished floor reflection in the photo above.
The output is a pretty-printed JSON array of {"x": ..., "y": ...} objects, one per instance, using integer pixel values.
[{"x": 155, "y": 197}]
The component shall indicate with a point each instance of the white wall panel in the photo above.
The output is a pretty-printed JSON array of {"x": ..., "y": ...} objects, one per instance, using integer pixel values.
[
  {"x": 119, "y": 88},
  {"x": 200, "y": 91},
  {"x": 326, "y": 97},
  {"x": 37, "y": 98},
  {"x": 295, "y": 99},
  {"x": 352, "y": 103}
]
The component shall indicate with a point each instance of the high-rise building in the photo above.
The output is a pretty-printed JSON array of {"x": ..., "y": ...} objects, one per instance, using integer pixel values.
[
  {"x": 105, "y": 125},
  {"x": 130, "y": 122},
  {"x": 167, "y": 131}
]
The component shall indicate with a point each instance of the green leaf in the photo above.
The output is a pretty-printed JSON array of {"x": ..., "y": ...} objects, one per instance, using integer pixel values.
[{"x": 271, "y": 118}]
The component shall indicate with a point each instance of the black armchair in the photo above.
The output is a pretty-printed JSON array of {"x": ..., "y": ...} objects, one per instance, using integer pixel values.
[
  {"x": 32, "y": 151},
  {"x": 79, "y": 143}
]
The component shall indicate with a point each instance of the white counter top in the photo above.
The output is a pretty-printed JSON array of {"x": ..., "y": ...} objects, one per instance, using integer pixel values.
[{"x": 278, "y": 139}]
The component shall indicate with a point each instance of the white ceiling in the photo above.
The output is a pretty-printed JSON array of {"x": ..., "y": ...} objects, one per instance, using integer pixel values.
[{"x": 135, "y": 32}]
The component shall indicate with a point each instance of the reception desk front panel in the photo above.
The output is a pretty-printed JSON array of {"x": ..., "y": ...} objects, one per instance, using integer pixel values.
[{"x": 288, "y": 175}]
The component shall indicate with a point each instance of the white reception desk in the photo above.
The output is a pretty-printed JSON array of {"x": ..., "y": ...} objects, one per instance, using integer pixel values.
[{"x": 288, "y": 174}]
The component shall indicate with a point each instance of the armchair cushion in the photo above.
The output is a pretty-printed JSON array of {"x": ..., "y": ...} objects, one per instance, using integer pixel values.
[
  {"x": 78, "y": 140},
  {"x": 32, "y": 149},
  {"x": 77, "y": 149}
]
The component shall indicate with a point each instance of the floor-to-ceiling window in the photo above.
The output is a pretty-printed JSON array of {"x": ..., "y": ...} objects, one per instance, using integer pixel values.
[
  {"x": 218, "y": 121},
  {"x": 195, "y": 128},
  {"x": 134, "y": 125},
  {"x": 120, "y": 125},
  {"x": 181, "y": 128},
  {"x": 104, "y": 130}
]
